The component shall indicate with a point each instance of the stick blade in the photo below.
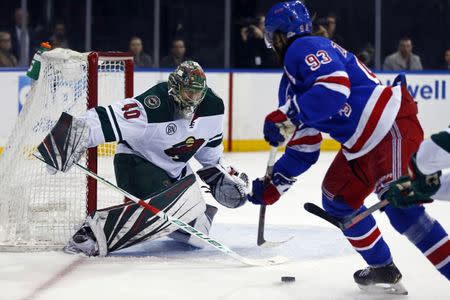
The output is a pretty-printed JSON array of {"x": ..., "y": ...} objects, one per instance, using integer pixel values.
[
  {"x": 318, "y": 211},
  {"x": 261, "y": 262},
  {"x": 273, "y": 244}
]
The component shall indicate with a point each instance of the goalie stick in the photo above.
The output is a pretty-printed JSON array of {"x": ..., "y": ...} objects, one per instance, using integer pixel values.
[
  {"x": 348, "y": 222},
  {"x": 261, "y": 241},
  {"x": 186, "y": 227}
]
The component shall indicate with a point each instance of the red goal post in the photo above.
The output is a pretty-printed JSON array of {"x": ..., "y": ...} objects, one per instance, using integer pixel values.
[
  {"x": 38, "y": 210},
  {"x": 92, "y": 101}
]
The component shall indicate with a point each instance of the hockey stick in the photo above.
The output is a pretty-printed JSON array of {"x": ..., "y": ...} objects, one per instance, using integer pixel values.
[
  {"x": 186, "y": 227},
  {"x": 347, "y": 222},
  {"x": 261, "y": 241}
]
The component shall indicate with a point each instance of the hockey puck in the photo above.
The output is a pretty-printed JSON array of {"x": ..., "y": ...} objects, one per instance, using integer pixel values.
[{"x": 287, "y": 279}]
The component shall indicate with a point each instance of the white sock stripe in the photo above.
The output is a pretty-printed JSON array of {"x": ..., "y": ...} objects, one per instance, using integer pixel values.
[
  {"x": 399, "y": 150},
  {"x": 327, "y": 193},
  {"x": 364, "y": 235},
  {"x": 443, "y": 263},
  {"x": 394, "y": 157},
  {"x": 435, "y": 246},
  {"x": 368, "y": 247}
]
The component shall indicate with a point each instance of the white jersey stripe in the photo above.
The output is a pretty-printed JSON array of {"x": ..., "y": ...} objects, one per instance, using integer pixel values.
[
  {"x": 336, "y": 87},
  {"x": 306, "y": 148},
  {"x": 384, "y": 124},
  {"x": 111, "y": 120},
  {"x": 334, "y": 74}
]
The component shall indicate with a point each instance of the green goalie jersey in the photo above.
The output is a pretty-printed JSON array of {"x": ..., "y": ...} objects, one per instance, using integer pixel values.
[{"x": 149, "y": 126}]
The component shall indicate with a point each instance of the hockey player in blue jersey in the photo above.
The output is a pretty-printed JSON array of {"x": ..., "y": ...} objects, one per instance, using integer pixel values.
[{"x": 325, "y": 88}]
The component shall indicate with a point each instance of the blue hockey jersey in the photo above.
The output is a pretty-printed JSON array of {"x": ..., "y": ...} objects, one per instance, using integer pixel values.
[{"x": 331, "y": 91}]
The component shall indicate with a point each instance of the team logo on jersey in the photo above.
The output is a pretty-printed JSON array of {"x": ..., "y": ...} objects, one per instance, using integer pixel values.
[
  {"x": 171, "y": 128},
  {"x": 152, "y": 102},
  {"x": 346, "y": 110},
  {"x": 183, "y": 151}
]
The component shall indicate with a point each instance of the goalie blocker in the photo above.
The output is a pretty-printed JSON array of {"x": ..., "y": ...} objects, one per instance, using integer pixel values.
[{"x": 121, "y": 226}]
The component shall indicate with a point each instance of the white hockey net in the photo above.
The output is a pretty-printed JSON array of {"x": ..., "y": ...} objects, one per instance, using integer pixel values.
[{"x": 39, "y": 210}]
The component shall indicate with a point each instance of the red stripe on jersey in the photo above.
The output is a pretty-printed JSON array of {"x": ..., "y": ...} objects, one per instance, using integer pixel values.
[
  {"x": 306, "y": 140},
  {"x": 336, "y": 79},
  {"x": 439, "y": 254},
  {"x": 373, "y": 120},
  {"x": 367, "y": 241}
]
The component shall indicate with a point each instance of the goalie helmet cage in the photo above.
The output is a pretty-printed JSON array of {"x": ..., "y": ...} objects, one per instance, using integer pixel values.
[{"x": 39, "y": 211}]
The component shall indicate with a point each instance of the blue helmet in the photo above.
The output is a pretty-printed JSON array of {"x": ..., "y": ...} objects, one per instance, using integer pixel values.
[{"x": 291, "y": 18}]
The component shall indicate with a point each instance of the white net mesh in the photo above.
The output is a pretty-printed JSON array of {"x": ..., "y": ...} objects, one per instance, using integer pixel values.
[{"x": 39, "y": 210}]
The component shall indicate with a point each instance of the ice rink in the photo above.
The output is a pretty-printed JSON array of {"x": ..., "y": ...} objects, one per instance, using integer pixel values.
[{"x": 322, "y": 261}]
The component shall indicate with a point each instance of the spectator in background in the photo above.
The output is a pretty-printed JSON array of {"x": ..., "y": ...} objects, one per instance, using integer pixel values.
[
  {"x": 59, "y": 38},
  {"x": 404, "y": 59},
  {"x": 320, "y": 27},
  {"x": 447, "y": 59},
  {"x": 176, "y": 56},
  {"x": 141, "y": 59},
  {"x": 331, "y": 28},
  {"x": 254, "y": 53},
  {"x": 7, "y": 59},
  {"x": 17, "y": 35},
  {"x": 366, "y": 55}
]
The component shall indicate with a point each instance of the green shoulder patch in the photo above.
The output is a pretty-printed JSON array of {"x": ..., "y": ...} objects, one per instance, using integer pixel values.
[
  {"x": 158, "y": 106},
  {"x": 211, "y": 105}
]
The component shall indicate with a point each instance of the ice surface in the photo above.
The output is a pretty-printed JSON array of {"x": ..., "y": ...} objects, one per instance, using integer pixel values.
[{"x": 320, "y": 258}]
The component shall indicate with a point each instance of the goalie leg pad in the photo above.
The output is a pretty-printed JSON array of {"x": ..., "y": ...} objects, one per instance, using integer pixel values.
[
  {"x": 122, "y": 226},
  {"x": 228, "y": 190},
  {"x": 203, "y": 224}
]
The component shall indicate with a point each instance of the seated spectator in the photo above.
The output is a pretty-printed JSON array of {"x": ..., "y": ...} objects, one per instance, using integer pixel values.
[
  {"x": 404, "y": 59},
  {"x": 59, "y": 39},
  {"x": 447, "y": 59},
  {"x": 331, "y": 29},
  {"x": 141, "y": 59},
  {"x": 320, "y": 27},
  {"x": 176, "y": 56},
  {"x": 253, "y": 53},
  {"x": 366, "y": 55},
  {"x": 7, "y": 59}
]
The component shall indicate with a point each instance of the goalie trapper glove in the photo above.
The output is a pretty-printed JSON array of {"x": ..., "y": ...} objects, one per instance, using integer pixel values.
[
  {"x": 65, "y": 144},
  {"x": 267, "y": 192},
  {"x": 406, "y": 191},
  {"x": 226, "y": 185}
]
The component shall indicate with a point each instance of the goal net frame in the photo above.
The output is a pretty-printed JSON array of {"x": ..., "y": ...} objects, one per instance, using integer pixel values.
[{"x": 15, "y": 235}]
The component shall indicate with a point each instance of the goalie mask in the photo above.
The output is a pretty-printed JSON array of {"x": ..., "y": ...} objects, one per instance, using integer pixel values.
[{"x": 187, "y": 86}]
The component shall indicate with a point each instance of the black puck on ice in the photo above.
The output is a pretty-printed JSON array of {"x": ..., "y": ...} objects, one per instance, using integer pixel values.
[{"x": 287, "y": 279}]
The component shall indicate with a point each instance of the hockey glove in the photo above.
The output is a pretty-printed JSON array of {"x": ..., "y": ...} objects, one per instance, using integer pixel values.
[
  {"x": 226, "y": 184},
  {"x": 267, "y": 193},
  {"x": 406, "y": 191},
  {"x": 278, "y": 128},
  {"x": 65, "y": 144}
]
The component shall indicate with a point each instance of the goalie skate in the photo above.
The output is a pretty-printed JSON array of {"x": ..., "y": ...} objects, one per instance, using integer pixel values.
[{"x": 380, "y": 280}]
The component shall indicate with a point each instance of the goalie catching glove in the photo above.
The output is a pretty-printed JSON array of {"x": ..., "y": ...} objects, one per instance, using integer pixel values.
[
  {"x": 226, "y": 185},
  {"x": 65, "y": 144}
]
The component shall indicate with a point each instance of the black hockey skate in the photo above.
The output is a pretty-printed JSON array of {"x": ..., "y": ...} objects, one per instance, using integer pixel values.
[
  {"x": 384, "y": 279},
  {"x": 83, "y": 241}
]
